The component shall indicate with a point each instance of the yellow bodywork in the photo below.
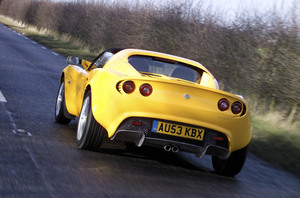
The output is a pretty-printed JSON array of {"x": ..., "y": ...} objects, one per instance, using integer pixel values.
[{"x": 111, "y": 106}]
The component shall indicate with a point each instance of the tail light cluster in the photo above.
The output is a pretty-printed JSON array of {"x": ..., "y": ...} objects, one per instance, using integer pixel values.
[
  {"x": 146, "y": 89},
  {"x": 224, "y": 105},
  {"x": 236, "y": 107},
  {"x": 129, "y": 87}
]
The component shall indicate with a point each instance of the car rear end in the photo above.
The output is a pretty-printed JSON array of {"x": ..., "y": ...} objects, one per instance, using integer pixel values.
[
  {"x": 171, "y": 103},
  {"x": 177, "y": 116}
]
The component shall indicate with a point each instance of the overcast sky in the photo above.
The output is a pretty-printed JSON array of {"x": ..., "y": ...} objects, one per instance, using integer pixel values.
[
  {"x": 258, "y": 5},
  {"x": 231, "y": 7}
]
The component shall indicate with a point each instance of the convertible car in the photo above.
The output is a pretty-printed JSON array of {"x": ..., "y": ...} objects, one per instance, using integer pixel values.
[{"x": 149, "y": 98}]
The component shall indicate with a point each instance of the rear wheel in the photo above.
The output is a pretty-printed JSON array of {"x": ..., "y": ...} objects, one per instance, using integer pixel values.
[
  {"x": 231, "y": 166},
  {"x": 60, "y": 105},
  {"x": 90, "y": 133}
]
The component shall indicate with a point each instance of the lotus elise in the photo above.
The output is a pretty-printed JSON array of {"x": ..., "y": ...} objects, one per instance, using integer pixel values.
[{"x": 149, "y": 98}]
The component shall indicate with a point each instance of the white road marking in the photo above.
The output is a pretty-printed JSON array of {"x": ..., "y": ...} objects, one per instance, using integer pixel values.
[
  {"x": 22, "y": 132},
  {"x": 2, "y": 98},
  {"x": 11, "y": 120},
  {"x": 32, "y": 158}
]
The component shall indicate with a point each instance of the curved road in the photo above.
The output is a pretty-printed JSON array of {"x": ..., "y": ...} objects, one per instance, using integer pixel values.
[{"x": 39, "y": 158}]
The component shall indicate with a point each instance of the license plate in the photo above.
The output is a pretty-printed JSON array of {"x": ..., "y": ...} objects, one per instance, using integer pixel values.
[{"x": 178, "y": 130}]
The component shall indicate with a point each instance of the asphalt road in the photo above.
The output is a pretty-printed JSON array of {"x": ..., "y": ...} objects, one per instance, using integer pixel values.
[{"x": 39, "y": 158}]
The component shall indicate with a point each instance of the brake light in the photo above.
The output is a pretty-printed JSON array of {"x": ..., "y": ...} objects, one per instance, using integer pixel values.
[
  {"x": 236, "y": 107},
  {"x": 223, "y": 104},
  {"x": 128, "y": 87},
  {"x": 219, "y": 138},
  {"x": 146, "y": 89},
  {"x": 136, "y": 123}
]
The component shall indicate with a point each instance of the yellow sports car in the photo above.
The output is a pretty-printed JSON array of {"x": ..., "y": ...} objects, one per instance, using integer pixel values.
[{"x": 155, "y": 99}]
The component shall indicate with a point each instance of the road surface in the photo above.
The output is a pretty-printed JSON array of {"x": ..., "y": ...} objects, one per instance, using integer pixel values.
[{"x": 39, "y": 158}]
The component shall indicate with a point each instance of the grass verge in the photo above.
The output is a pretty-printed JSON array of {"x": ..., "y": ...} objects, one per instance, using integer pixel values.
[
  {"x": 276, "y": 141},
  {"x": 273, "y": 140},
  {"x": 62, "y": 44}
]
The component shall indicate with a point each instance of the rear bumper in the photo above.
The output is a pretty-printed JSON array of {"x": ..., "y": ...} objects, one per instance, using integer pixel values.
[{"x": 142, "y": 135}]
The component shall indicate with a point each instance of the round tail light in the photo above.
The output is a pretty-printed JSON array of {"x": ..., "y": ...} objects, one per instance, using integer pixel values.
[
  {"x": 146, "y": 89},
  {"x": 128, "y": 87},
  {"x": 223, "y": 104},
  {"x": 236, "y": 107}
]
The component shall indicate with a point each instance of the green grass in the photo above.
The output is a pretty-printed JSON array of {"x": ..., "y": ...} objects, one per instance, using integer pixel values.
[{"x": 274, "y": 140}]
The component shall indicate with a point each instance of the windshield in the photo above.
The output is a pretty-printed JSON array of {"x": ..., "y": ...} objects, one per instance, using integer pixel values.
[
  {"x": 148, "y": 64},
  {"x": 104, "y": 57},
  {"x": 100, "y": 62}
]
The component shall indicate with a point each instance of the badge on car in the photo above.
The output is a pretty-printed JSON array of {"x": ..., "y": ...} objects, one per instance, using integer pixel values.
[{"x": 187, "y": 96}]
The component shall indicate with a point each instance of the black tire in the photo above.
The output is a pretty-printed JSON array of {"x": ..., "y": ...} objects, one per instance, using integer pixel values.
[
  {"x": 231, "y": 166},
  {"x": 60, "y": 105},
  {"x": 90, "y": 134}
]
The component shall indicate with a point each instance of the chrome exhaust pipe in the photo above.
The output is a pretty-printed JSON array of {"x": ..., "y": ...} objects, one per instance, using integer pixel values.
[
  {"x": 167, "y": 147},
  {"x": 175, "y": 149}
]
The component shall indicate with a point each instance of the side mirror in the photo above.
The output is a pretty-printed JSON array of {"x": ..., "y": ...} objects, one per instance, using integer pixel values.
[{"x": 73, "y": 60}]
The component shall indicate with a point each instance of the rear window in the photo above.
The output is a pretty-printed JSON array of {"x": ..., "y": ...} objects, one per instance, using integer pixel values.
[{"x": 155, "y": 65}]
